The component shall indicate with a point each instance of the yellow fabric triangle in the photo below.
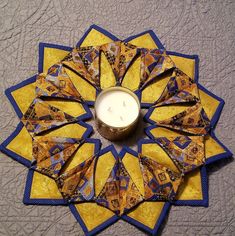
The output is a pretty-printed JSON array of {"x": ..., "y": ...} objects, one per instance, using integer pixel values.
[
  {"x": 95, "y": 38},
  {"x": 99, "y": 214},
  {"x": 44, "y": 187},
  {"x": 147, "y": 213}
]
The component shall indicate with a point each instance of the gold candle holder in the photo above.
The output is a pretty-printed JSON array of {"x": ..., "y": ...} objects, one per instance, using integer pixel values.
[{"x": 117, "y": 110}]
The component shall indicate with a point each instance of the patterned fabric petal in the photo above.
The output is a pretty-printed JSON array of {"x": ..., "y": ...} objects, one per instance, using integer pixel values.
[
  {"x": 180, "y": 89},
  {"x": 41, "y": 117},
  {"x": 111, "y": 51},
  {"x": 186, "y": 152},
  {"x": 56, "y": 84},
  {"x": 160, "y": 182},
  {"x": 91, "y": 60},
  {"x": 119, "y": 193},
  {"x": 153, "y": 63},
  {"x": 193, "y": 120},
  {"x": 51, "y": 153},
  {"x": 75, "y": 61},
  {"x": 120, "y": 56},
  {"x": 128, "y": 53},
  {"x": 77, "y": 184}
]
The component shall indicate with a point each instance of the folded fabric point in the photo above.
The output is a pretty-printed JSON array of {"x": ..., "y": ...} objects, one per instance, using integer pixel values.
[
  {"x": 56, "y": 83},
  {"x": 50, "y": 154},
  {"x": 160, "y": 182},
  {"x": 41, "y": 117},
  {"x": 180, "y": 89},
  {"x": 77, "y": 184},
  {"x": 187, "y": 152},
  {"x": 119, "y": 194},
  {"x": 193, "y": 120}
]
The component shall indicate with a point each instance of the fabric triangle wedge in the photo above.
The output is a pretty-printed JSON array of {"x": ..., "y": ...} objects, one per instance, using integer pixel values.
[
  {"x": 119, "y": 193},
  {"x": 41, "y": 117}
]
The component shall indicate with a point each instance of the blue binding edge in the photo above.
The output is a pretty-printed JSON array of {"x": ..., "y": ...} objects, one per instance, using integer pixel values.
[
  {"x": 97, "y": 229},
  {"x": 109, "y": 148},
  {"x": 219, "y": 109},
  {"x": 225, "y": 155},
  {"x": 15, "y": 87},
  {"x": 13, "y": 155},
  {"x": 205, "y": 199},
  {"x": 39, "y": 201},
  {"x": 145, "y": 228},
  {"x": 43, "y": 201},
  {"x": 147, "y": 116},
  {"x": 48, "y": 45},
  {"x": 153, "y": 36},
  {"x": 101, "y": 30}
]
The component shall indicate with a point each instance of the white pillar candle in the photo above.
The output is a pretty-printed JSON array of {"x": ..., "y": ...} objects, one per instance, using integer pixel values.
[{"x": 117, "y": 107}]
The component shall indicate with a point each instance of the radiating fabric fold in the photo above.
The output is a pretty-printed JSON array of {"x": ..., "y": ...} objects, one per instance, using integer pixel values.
[
  {"x": 41, "y": 117},
  {"x": 187, "y": 152},
  {"x": 160, "y": 182},
  {"x": 119, "y": 193},
  {"x": 51, "y": 153},
  {"x": 56, "y": 83}
]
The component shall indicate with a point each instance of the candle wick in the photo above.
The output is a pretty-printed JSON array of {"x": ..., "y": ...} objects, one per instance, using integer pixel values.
[
  {"x": 109, "y": 109},
  {"x": 121, "y": 117},
  {"x": 123, "y": 103}
]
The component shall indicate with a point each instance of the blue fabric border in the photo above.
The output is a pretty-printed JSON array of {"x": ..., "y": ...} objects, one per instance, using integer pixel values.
[
  {"x": 114, "y": 38},
  {"x": 12, "y": 154},
  {"x": 109, "y": 148},
  {"x": 225, "y": 155},
  {"x": 205, "y": 200},
  {"x": 148, "y": 129},
  {"x": 219, "y": 109},
  {"x": 89, "y": 129},
  {"x": 15, "y": 87},
  {"x": 195, "y": 57},
  {"x": 125, "y": 150},
  {"x": 146, "y": 228},
  {"x": 153, "y": 36},
  {"x": 48, "y": 45},
  {"x": 29, "y": 201},
  {"x": 101, "y": 30},
  {"x": 39, "y": 201},
  {"x": 96, "y": 230},
  {"x": 147, "y": 116},
  {"x": 88, "y": 115}
]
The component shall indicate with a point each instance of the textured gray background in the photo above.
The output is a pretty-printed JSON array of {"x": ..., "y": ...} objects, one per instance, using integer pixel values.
[{"x": 204, "y": 27}]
